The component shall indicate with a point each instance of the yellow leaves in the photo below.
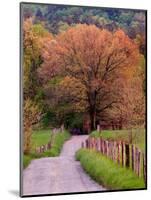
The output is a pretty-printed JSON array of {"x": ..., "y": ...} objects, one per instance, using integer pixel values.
[
  {"x": 35, "y": 38},
  {"x": 31, "y": 112},
  {"x": 31, "y": 115},
  {"x": 72, "y": 88},
  {"x": 72, "y": 85}
]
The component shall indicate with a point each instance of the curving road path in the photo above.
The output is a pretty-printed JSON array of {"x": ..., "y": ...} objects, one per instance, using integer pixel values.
[{"x": 61, "y": 174}]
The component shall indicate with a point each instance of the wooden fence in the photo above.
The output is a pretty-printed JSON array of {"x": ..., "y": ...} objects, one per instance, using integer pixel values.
[
  {"x": 48, "y": 146},
  {"x": 120, "y": 152},
  {"x": 43, "y": 148}
]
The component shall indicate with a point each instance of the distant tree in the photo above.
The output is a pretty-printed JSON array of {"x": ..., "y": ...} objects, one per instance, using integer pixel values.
[
  {"x": 39, "y": 14},
  {"x": 130, "y": 110},
  {"x": 34, "y": 37}
]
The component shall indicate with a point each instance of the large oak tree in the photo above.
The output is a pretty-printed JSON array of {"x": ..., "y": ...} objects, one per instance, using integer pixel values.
[{"x": 95, "y": 58}]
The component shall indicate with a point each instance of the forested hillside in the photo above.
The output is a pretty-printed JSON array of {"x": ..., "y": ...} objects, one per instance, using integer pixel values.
[{"x": 59, "y": 18}]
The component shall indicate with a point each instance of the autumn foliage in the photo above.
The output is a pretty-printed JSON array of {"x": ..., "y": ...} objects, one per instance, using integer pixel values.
[
  {"x": 81, "y": 71},
  {"x": 94, "y": 63}
]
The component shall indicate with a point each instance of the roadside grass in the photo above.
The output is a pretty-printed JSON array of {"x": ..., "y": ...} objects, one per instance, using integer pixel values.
[
  {"x": 57, "y": 144},
  {"x": 26, "y": 160},
  {"x": 138, "y": 136},
  {"x": 41, "y": 137},
  {"x": 107, "y": 173}
]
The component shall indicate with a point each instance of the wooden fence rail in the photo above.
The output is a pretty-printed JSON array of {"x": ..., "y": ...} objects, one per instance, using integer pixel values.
[{"x": 120, "y": 152}]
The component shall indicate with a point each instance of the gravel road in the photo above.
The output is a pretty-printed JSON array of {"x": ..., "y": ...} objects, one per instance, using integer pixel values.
[{"x": 61, "y": 174}]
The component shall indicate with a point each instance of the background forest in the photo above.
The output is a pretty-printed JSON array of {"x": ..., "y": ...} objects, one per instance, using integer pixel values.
[{"x": 82, "y": 67}]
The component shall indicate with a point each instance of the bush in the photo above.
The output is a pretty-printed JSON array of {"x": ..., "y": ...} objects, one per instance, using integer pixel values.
[{"x": 108, "y": 173}]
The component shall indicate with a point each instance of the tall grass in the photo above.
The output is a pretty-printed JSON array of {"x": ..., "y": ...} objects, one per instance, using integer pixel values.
[{"x": 107, "y": 173}]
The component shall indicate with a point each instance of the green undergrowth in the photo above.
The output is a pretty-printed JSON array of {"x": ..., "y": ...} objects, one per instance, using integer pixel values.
[{"x": 107, "y": 173}]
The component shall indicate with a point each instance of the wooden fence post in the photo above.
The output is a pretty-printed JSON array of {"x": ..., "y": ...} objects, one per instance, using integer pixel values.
[
  {"x": 101, "y": 145},
  {"x": 127, "y": 155},
  {"x": 122, "y": 151},
  {"x": 111, "y": 144},
  {"x": 104, "y": 147},
  {"x": 98, "y": 144},
  {"x": 107, "y": 148},
  {"x": 136, "y": 160},
  {"x": 144, "y": 168},
  {"x": 86, "y": 143},
  {"x": 110, "y": 150},
  {"x": 89, "y": 143},
  {"x": 133, "y": 158},
  {"x": 49, "y": 145},
  {"x": 94, "y": 143},
  {"x": 118, "y": 152},
  {"x": 114, "y": 150},
  {"x": 40, "y": 149},
  {"x": 139, "y": 163}
]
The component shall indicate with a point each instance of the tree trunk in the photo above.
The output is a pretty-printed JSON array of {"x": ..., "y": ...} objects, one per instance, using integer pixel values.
[
  {"x": 92, "y": 108},
  {"x": 92, "y": 114}
]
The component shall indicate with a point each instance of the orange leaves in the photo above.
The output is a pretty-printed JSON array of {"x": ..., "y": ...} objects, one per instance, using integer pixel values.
[
  {"x": 94, "y": 64},
  {"x": 75, "y": 91},
  {"x": 90, "y": 53}
]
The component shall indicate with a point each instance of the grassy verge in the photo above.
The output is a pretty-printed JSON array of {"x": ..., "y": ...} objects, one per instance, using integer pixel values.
[
  {"x": 58, "y": 142},
  {"x": 26, "y": 160},
  {"x": 108, "y": 173},
  {"x": 42, "y": 137},
  {"x": 138, "y": 136}
]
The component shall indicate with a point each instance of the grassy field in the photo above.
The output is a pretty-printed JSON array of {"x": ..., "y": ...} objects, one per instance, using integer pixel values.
[
  {"x": 108, "y": 173},
  {"x": 138, "y": 136},
  {"x": 41, "y": 137}
]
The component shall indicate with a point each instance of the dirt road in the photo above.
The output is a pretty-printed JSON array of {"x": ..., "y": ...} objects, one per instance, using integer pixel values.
[{"x": 61, "y": 174}]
